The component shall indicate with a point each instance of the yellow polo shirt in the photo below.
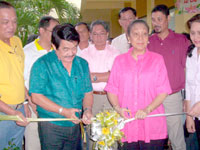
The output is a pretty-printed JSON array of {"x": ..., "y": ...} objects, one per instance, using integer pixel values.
[
  {"x": 38, "y": 46},
  {"x": 12, "y": 90}
]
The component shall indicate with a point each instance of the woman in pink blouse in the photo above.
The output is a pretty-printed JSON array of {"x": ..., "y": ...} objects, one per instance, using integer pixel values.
[{"x": 138, "y": 81}]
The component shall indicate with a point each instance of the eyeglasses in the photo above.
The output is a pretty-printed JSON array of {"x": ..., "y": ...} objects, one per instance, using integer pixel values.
[{"x": 99, "y": 34}]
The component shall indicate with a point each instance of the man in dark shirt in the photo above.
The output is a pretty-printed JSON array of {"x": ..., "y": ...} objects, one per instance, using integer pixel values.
[{"x": 172, "y": 46}]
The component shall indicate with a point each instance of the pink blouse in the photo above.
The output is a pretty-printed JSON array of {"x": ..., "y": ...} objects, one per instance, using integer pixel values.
[{"x": 137, "y": 83}]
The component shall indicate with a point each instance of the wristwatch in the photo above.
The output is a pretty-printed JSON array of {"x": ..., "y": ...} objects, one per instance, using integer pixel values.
[
  {"x": 95, "y": 78},
  {"x": 25, "y": 102}
]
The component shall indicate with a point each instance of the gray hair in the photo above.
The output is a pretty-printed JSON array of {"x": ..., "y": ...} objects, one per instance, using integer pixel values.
[
  {"x": 99, "y": 22},
  {"x": 137, "y": 22}
]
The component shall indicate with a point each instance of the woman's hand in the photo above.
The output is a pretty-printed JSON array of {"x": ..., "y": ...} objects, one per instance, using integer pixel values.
[
  {"x": 195, "y": 110},
  {"x": 123, "y": 112},
  {"x": 190, "y": 125},
  {"x": 142, "y": 113}
]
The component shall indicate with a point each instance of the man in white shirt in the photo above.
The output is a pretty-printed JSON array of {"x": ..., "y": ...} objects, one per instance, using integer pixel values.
[
  {"x": 83, "y": 31},
  {"x": 33, "y": 51},
  {"x": 126, "y": 16},
  {"x": 100, "y": 56},
  {"x": 84, "y": 34}
]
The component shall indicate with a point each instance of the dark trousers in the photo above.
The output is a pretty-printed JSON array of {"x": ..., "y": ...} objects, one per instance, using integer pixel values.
[
  {"x": 197, "y": 126},
  {"x": 191, "y": 138},
  {"x": 54, "y": 137},
  {"x": 141, "y": 145}
]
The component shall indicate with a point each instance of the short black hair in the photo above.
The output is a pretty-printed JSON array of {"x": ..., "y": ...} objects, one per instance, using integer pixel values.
[
  {"x": 138, "y": 21},
  {"x": 162, "y": 8},
  {"x": 64, "y": 32},
  {"x": 45, "y": 21},
  {"x": 4, "y": 4},
  {"x": 83, "y": 23},
  {"x": 127, "y": 9},
  {"x": 99, "y": 22}
]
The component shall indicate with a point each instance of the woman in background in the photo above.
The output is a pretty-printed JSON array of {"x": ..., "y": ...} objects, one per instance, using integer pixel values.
[{"x": 193, "y": 78}]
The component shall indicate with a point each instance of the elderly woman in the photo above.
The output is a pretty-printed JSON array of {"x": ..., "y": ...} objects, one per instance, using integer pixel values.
[
  {"x": 138, "y": 82},
  {"x": 193, "y": 77}
]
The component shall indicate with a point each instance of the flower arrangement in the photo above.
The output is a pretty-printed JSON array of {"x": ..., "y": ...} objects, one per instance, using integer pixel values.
[{"x": 105, "y": 129}]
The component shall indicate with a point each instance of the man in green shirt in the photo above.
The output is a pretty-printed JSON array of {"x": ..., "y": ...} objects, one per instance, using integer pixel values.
[{"x": 60, "y": 85}]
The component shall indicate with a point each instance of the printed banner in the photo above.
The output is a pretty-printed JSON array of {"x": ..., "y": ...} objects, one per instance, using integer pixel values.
[{"x": 187, "y": 6}]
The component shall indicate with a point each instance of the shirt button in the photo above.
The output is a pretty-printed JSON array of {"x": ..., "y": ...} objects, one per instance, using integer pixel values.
[{"x": 161, "y": 43}]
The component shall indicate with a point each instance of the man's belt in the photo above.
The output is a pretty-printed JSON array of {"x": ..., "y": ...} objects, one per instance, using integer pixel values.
[
  {"x": 100, "y": 92},
  {"x": 175, "y": 92},
  {"x": 18, "y": 106}
]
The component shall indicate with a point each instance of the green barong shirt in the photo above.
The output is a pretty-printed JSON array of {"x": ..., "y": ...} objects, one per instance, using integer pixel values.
[{"x": 50, "y": 78}]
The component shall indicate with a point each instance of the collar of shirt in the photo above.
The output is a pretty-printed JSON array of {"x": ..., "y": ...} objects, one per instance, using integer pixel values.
[
  {"x": 139, "y": 56},
  {"x": 94, "y": 48},
  {"x": 169, "y": 36},
  {"x": 38, "y": 46},
  {"x": 11, "y": 47},
  {"x": 195, "y": 53}
]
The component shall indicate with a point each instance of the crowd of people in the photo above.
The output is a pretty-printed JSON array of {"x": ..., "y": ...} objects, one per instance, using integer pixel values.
[{"x": 75, "y": 72}]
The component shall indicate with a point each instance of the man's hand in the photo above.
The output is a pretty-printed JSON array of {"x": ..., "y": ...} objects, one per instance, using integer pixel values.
[
  {"x": 24, "y": 122},
  {"x": 10, "y": 111},
  {"x": 71, "y": 113},
  {"x": 87, "y": 115},
  {"x": 31, "y": 104},
  {"x": 27, "y": 111},
  {"x": 184, "y": 106}
]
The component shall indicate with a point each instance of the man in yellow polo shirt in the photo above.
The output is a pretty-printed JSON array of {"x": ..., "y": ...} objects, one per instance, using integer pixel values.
[
  {"x": 33, "y": 51},
  {"x": 12, "y": 90}
]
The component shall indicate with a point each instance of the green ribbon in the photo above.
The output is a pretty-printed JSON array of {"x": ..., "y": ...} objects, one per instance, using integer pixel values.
[{"x": 17, "y": 118}]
